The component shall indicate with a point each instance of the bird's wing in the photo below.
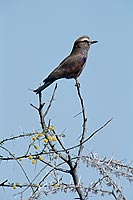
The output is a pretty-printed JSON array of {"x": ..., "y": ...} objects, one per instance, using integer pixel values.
[{"x": 68, "y": 67}]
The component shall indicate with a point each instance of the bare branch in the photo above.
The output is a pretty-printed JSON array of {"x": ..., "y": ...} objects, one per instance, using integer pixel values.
[
  {"x": 3, "y": 183},
  {"x": 84, "y": 123},
  {"x": 51, "y": 100},
  {"x": 20, "y": 167},
  {"x": 96, "y": 131}
]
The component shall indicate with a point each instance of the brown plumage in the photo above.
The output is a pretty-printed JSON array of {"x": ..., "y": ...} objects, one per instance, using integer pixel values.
[{"x": 71, "y": 66}]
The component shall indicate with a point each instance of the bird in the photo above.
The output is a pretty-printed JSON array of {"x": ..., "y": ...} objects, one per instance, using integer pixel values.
[{"x": 72, "y": 65}]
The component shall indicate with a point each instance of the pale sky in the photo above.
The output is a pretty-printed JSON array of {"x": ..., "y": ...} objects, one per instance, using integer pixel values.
[{"x": 35, "y": 37}]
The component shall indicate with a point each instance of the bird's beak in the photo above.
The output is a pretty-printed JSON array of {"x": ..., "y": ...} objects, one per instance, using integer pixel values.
[{"x": 93, "y": 41}]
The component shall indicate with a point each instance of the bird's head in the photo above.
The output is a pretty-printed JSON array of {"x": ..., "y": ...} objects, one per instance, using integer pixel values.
[{"x": 83, "y": 44}]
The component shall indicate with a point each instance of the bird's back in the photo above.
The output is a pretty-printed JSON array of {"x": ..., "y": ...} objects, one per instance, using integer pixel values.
[{"x": 70, "y": 67}]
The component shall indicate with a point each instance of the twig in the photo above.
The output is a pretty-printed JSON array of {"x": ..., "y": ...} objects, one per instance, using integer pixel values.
[
  {"x": 20, "y": 167},
  {"x": 3, "y": 183},
  {"x": 44, "y": 127},
  {"x": 74, "y": 168},
  {"x": 84, "y": 123},
  {"x": 39, "y": 109},
  {"x": 47, "y": 174},
  {"x": 51, "y": 100},
  {"x": 16, "y": 137},
  {"x": 60, "y": 142},
  {"x": 99, "y": 129}
]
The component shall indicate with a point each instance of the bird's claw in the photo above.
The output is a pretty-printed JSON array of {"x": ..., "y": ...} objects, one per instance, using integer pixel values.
[{"x": 77, "y": 83}]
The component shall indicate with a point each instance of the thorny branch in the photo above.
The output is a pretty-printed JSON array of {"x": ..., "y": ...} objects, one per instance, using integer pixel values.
[
  {"x": 68, "y": 163},
  {"x": 67, "y": 158},
  {"x": 84, "y": 123},
  {"x": 51, "y": 100},
  {"x": 92, "y": 134},
  {"x": 23, "y": 170}
]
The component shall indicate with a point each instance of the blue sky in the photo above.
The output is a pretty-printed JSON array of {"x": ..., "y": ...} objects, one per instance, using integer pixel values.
[{"x": 35, "y": 36}]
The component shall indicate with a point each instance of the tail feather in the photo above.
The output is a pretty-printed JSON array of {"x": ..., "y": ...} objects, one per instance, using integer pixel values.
[{"x": 46, "y": 84}]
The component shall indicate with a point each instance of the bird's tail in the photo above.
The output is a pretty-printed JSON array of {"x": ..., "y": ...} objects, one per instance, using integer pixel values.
[{"x": 45, "y": 85}]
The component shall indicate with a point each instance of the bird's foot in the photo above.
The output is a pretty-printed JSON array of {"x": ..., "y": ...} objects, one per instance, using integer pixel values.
[{"x": 77, "y": 83}]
